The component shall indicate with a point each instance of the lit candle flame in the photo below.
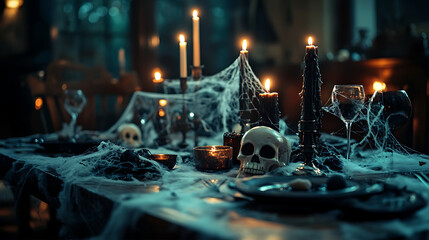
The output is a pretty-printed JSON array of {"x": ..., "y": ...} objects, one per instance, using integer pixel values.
[
  {"x": 244, "y": 45},
  {"x": 379, "y": 86},
  {"x": 267, "y": 85},
  {"x": 157, "y": 76},
  {"x": 14, "y": 3},
  {"x": 310, "y": 41},
  {"x": 162, "y": 102},
  {"x": 38, "y": 103},
  {"x": 195, "y": 14},
  {"x": 182, "y": 38}
]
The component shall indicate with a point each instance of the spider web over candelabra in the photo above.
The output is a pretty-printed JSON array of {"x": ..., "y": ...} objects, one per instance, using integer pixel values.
[{"x": 215, "y": 100}]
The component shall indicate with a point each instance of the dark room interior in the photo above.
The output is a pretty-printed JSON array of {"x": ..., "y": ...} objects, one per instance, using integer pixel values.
[{"x": 216, "y": 119}]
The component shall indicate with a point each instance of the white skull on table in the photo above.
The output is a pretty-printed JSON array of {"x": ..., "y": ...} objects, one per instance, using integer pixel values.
[
  {"x": 130, "y": 135},
  {"x": 263, "y": 149}
]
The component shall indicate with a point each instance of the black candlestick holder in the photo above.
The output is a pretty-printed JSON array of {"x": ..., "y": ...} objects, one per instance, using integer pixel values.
[
  {"x": 183, "y": 121},
  {"x": 163, "y": 136},
  {"x": 197, "y": 72}
]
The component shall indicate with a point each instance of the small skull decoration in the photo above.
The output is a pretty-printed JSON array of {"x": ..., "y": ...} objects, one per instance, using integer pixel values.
[
  {"x": 263, "y": 149},
  {"x": 130, "y": 135}
]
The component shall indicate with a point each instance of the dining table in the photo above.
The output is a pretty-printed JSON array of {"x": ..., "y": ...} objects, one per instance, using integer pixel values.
[{"x": 183, "y": 202}]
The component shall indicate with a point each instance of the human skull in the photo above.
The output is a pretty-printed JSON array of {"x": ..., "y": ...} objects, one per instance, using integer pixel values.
[
  {"x": 263, "y": 149},
  {"x": 130, "y": 135}
]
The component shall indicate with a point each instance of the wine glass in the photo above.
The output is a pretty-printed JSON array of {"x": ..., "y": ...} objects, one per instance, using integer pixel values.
[
  {"x": 397, "y": 108},
  {"x": 348, "y": 101},
  {"x": 74, "y": 102}
]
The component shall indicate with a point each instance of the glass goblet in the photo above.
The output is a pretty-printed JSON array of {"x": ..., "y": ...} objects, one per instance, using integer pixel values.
[
  {"x": 348, "y": 101},
  {"x": 74, "y": 102},
  {"x": 397, "y": 108}
]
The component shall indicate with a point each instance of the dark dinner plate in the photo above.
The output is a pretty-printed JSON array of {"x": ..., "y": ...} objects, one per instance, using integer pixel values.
[
  {"x": 276, "y": 189},
  {"x": 68, "y": 147},
  {"x": 393, "y": 202}
]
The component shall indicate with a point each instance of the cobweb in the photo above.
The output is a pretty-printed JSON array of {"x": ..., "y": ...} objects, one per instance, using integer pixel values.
[
  {"x": 214, "y": 100},
  {"x": 377, "y": 148}
]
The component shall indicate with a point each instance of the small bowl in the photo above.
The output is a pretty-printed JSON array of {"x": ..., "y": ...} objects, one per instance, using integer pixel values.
[
  {"x": 213, "y": 158},
  {"x": 168, "y": 160}
]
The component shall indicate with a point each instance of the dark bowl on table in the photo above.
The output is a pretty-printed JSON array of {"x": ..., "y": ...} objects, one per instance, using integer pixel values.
[
  {"x": 168, "y": 160},
  {"x": 69, "y": 147}
]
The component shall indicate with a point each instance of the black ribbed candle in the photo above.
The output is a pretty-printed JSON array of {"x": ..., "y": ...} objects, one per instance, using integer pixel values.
[{"x": 311, "y": 113}]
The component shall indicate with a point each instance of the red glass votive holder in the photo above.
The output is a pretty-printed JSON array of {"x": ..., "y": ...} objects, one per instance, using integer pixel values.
[
  {"x": 209, "y": 158},
  {"x": 233, "y": 140}
]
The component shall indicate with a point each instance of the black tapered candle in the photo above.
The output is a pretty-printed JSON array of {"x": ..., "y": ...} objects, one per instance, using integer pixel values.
[{"x": 311, "y": 113}]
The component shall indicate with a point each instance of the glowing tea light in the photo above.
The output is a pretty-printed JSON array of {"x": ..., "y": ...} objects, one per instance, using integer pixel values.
[
  {"x": 38, "y": 103},
  {"x": 379, "y": 86},
  {"x": 182, "y": 46},
  {"x": 168, "y": 160},
  {"x": 213, "y": 158},
  {"x": 196, "y": 37},
  {"x": 212, "y": 150}
]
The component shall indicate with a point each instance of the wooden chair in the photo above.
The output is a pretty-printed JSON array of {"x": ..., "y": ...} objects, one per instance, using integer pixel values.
[{"x": 97, "y": 85}]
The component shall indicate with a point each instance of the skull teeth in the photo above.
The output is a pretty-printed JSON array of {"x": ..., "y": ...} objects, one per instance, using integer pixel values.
[{"x": 254, "y": 169}]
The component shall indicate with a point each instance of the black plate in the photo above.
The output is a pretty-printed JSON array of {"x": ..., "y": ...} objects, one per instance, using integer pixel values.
[
  {"x": 273, "y": 189},
  {"x": 391, "y": 203},
  {"x": 68, "y": 147}
]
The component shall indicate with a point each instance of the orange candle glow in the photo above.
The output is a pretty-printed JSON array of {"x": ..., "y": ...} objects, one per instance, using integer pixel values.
[
  {"x": 213, "y": 157},
  {"x": 157, "y": 78},
  {"x": 244, "y": 46},
  {"x": 38, "y": 103},
  {"x": 379, "y": 86},
  {"x": 161, "y": 112},
  {"x": 14, "y": 3},
  {"x": 267, "y": 85},
  {"x": 310, "y": 44},
  {"x": 162, "y": 102}
]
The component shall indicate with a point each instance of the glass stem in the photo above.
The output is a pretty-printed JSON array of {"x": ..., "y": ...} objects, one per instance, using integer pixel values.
[
  {"x": 73, "y": 125},
  {"x": 349, "y": 132}
]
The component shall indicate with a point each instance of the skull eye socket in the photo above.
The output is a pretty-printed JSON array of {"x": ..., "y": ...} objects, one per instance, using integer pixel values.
[
  {"x": 267, "y": 152},
  {"x": 247, "y": 149},
  {"x": 135, "y": 138},
  {"x": 127, "y": 135}
]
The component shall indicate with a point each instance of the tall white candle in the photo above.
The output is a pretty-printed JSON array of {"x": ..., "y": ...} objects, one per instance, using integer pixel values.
[
  {"x": 183, "y": 68},
  {"x": 196, "y": 36}
]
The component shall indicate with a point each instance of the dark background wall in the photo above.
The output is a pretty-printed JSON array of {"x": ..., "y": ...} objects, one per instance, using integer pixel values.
[{"x": 348, "y": 32}]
